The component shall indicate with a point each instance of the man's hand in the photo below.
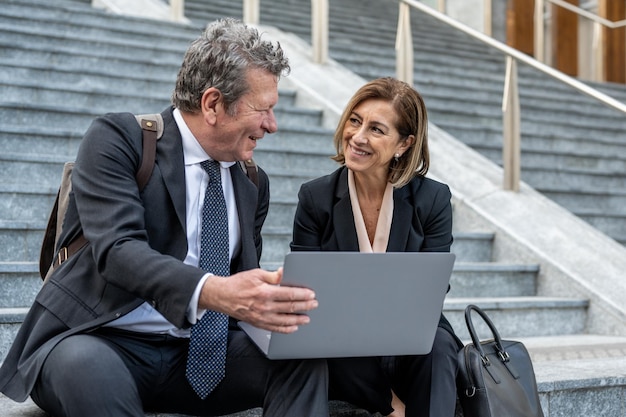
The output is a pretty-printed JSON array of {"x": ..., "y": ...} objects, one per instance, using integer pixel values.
[{"x": 254, "y": 297}]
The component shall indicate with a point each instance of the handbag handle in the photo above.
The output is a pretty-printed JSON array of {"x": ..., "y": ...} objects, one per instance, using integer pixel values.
[{"x": 504, "y": 357}]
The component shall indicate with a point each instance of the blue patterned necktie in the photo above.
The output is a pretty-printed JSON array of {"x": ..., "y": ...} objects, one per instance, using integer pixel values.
[{"x": 206, "y": 362}]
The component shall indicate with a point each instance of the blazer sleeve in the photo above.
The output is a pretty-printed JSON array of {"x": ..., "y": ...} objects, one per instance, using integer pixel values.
[
  {"x": 436, "y": 217},
  {"x": 307, "y": 223},
  {"x": 112, "y": 215}
]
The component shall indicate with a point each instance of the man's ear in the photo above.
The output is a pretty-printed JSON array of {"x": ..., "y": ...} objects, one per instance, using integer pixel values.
[{"x": 210, "y": 104}]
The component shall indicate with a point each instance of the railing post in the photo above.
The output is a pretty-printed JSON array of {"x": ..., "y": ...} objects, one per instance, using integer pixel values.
[
  {"x": 404, "y": 45},
  {"x": 597, "y": 60},
  {"x": 319, "y": 30},
  {"x": 251, "y": 12},
  {"x": 511, "y": 149},
  {"x": 539, "y": 30},
  {"x": 487, "y": 16},
  {"x": 441, "y": 6},
  {"x": 177, "y": 10}
]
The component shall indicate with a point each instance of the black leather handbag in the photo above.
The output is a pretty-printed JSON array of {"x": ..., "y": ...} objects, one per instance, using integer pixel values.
[{"x": 496, "y": 377}]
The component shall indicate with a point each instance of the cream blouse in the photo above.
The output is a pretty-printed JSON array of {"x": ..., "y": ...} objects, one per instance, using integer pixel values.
[{"x": 383, "y": 226}]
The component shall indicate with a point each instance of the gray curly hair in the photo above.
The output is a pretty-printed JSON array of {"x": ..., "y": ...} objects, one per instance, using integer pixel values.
[{"x": 220, "y": 58}]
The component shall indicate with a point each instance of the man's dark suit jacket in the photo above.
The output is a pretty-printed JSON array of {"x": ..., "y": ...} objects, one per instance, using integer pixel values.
[
  {"x": 137, "y": 243},
  {"x": 422, "y": 218}
]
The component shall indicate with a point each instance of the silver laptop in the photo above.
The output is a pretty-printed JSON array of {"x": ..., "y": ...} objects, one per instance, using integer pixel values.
[{"x": 370, "y": 304}]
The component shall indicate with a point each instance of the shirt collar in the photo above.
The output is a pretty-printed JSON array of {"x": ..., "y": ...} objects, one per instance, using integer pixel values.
[{"x": 192, "y": 151}]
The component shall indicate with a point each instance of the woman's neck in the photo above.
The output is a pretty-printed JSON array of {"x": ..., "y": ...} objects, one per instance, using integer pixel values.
[
  {"x": 370, "y": 189},
  {"x": 370, "y": 192}
]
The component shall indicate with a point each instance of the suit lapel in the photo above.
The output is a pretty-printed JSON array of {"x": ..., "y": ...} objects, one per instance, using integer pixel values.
[
  {"x": 246, "y": 197},
  {"x": 401, "y": 223},
  {"x": 342, "y": 216},
  {"x": 172, "y": 164}
]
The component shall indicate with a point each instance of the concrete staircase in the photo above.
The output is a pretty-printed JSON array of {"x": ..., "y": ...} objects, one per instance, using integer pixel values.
[{"x": 63, "y": 63}]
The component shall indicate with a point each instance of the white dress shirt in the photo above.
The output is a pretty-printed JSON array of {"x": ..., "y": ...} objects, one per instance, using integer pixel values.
[{"x": 145, "y": 318}]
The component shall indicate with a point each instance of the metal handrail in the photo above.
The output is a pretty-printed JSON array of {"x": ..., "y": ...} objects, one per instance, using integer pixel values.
[
  {"x": 519, "y": 56},
  {"x": 591, "y": 16},
  {"x": 511, "y": 116},
  {"x": 596, "y": 34}
]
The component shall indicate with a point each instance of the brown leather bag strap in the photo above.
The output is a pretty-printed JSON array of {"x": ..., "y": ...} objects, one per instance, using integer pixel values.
[
  {"x": 151, "y": 127},
  {"x": 251, "y": 170},
  {"x": 69, "y": 250}
]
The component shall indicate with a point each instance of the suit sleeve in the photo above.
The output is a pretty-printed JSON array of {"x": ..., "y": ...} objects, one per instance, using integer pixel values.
[
  {"x": 111, "y": 212},
  {"x": 437, "y": 221},
  {"x": 307, "y": 223}
]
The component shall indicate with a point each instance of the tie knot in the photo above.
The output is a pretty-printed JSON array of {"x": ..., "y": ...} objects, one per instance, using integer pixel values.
[{"x": 213, "y": 169}]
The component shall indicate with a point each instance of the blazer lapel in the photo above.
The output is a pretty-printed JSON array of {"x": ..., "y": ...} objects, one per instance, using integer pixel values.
[
  {"x": 401, "y": 223},
  {"x": 246, "y": 196},
  {"x": 172, "y": 164},
  {"x": 343, "y": 220}
]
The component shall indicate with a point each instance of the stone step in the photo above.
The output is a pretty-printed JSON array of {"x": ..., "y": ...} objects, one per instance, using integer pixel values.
[
  {"x": 579, "y": 375},
  {"x": 20, "y": 240},
  {"x": 613, "y": 224},
  {"x": 21, "y": 202},
  {"x": 122, "y": 48},
  {"x": 56, "y": 117},
  {"x": 521, "y": 316},
  {"x": 566, "y": 140},
  {"x": 566, "y": 160},
  {"x": 93, "y": 24},
  {"x": 532, "y": 122},
  {"x": 10, "y": 321},
  {"x": 63, "y": 141},
  {"x": 17, "y": 91},
  {"x": 20, "y": 280},
  {"x": 536, "y": 91},
  {"x": 40, "y": 140},
  {"x": 93, "y": 78},
  {"x": 88, "y": 56},
  {"x": 104, "y": 96},
  {"x": 514, "y": 317},
  {"x": 469, "y": 247},
  {"x": 563, "y": 180},
  {"x": 477, "y": 279},
  {"x": 20, "y": 283},
  {"x": 581, "y": 201},
  {"x": 29, "y": 409}
]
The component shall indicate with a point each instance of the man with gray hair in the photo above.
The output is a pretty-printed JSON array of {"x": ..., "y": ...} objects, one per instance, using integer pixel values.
[{"x": 143, "y": 317}]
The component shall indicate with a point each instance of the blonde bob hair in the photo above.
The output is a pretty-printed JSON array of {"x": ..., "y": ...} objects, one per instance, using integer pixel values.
[{"x": 411, "y": 120}]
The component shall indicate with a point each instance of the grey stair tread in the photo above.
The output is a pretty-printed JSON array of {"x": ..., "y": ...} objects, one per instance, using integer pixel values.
[
  {"x": 10, "y": 408},
  {"x": 491, "y": 303},
  {"x": 580, "y": 361},
  {"x": 575, "y": 346}
]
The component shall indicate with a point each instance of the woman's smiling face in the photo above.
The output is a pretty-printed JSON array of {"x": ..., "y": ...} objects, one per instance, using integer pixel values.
[{"x": 370, "y": 137}]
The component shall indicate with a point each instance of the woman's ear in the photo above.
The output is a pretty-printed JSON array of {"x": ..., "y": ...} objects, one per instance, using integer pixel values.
[
  {"x": 405, "y": 145},
  {"x": 210, "y": 104}
]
